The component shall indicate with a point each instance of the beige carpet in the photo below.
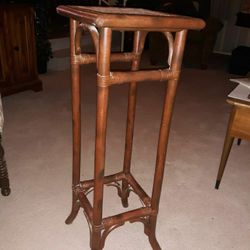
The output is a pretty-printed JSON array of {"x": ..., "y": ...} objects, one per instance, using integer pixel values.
[{"x": 193, "y": 215}]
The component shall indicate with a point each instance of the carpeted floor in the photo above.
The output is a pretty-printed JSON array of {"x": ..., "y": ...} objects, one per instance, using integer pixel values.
[{"x": 193, "y": 215}]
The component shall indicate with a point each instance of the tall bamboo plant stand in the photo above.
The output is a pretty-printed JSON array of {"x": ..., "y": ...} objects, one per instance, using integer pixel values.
[{"x": 100, "y": 22}]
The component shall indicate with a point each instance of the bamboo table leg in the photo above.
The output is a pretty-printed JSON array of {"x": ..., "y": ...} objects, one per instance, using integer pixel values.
[
  {"x": 76, "y": 116},
  {"x": 163, "y": 137},
  {"x": 139, "y": 40},
  {"x": 100, "y": 144}
]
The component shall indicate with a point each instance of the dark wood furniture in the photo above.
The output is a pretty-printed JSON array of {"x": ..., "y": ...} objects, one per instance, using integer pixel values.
[
  {"x": 18, "y": 64},
  {"x": 238, "y": 126},
  {"x": 100, "y": 22}
]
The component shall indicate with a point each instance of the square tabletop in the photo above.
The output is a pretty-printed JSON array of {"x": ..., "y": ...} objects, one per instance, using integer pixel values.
[
  {"x": 241, "y": 95},
  {"x": 129, "y": 18}
]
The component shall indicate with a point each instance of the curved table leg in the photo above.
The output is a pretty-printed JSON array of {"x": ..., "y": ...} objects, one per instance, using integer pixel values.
[
  {"x": 74, "y": 211},
  {"x": 149, "y": 230}
]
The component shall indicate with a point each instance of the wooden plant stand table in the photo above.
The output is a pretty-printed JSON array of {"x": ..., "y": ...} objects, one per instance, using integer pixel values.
[
  {"x": 100, "y": 22},
  {"x": 238, "y": 125}
]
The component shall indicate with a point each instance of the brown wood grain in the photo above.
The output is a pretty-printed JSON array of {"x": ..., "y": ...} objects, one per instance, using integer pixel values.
[{"x": 18, "y": 62}]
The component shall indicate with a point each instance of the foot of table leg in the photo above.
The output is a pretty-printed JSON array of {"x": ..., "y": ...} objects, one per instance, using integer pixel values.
[
  {"x": 74, "y": 211},
  {"x": 154, "y": 243},
  {"x": 217, "y": 184},
  {"x": 238, "y": 141},
  {"x": 125, "y": 202},
  {"x": 150, "y": 231},
  {"x": 125, "y": 193}
]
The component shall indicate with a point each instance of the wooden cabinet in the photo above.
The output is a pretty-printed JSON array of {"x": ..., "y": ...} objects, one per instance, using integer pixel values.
[{"x": 18, "y": 65}]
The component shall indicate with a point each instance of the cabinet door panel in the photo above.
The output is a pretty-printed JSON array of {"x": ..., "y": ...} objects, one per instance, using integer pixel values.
[
  {"x": 4, "y": 62},
  {"x": 21, "y": 30},
  {"x": 18, "y": 66}
]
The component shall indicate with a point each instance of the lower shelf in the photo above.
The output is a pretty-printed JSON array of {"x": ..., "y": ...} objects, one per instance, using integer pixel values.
[{"x": 125, "y": 183}]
